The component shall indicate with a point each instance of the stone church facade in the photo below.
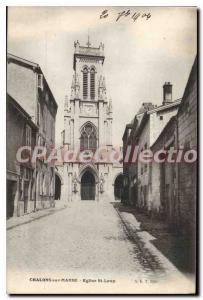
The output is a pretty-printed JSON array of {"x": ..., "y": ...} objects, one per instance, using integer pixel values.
[{"x": 88, "y": 120}]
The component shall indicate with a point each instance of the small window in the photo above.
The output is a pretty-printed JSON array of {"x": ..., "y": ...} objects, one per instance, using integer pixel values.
[
  {"x": 40, "y": 81},
  {"x": 45, "y": 119},
  {"x": 141, "y": 170},
  {"x": 28, "y": 135},
  {"x": 38, "y": 113},
  {"x": 161, "y": 118},
  {"x": 39, "y": 141}
]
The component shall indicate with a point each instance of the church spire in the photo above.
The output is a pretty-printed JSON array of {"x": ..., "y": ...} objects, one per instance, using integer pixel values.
[{"x": 88, "y": 40}]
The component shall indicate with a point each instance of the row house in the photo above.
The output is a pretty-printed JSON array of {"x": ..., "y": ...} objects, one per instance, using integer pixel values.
[
  {"x": 150, "y": 128},
  {"x": 164, "y": 175},
  {"x": 130, "y": 168},
  {"x": 174, "y": 185},
  {"x": 27, "y": 86},
  {"x": 146, "y": 127},
  {"x": 21, "y": 131},
  {"x": 126, "y": 142},
  {"x": 166, "y": 189}
]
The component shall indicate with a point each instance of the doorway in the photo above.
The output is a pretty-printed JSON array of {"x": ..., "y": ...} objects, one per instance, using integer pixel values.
[
  {"x": 11, "y": 191},
  {"x": 57, "y": 187},
  {"x": 87, "y": 186},
  {"x": 118, "y": 187}
]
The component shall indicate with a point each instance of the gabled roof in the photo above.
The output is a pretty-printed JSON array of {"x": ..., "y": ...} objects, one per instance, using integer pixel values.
[
  {"x": 142, "y": 124},
  {"x": 157, "y": 109},
  {"x": 22, "y": 61},
  {"x": 24, "y": 114},
  {"x": 165, "y": 107},
  {"x": 145, "y": 106},
  {"x": 31, "y": 65}
]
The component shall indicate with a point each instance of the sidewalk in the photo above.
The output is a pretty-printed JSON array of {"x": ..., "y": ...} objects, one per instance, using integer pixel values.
[
  {"x": 30, "y": 217},
  {"x": 159, "y": 238}
]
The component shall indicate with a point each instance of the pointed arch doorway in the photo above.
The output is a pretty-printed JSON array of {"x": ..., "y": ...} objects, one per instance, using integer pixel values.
[{"x": 88, "y": 186}]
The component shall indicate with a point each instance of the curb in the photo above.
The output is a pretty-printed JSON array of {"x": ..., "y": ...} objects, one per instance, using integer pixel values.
[
  {"x": 147, "y": 257},
  {"x": 34, "y": 218}
]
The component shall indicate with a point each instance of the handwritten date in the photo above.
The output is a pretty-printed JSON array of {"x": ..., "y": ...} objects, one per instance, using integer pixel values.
[{"x": 126, "y": 13}]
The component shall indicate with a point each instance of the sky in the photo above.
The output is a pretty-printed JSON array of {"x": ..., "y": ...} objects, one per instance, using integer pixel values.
[{"x": 140, "y": 55}]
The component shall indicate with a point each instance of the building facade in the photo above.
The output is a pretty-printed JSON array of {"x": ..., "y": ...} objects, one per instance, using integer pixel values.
[
  {"x": 130, "y": 167},
  {"x": 26, "y": 84},
  {"x": 126, "y": 165},
  {"x": 164, "y": 177},
  {"x": 145, "y": 129},
  {"x": 166, "y": 189},
  {"x": 150, "y": 128},
  {"x": 88, "y": 120},
  {"x": 21, "y": 131}
]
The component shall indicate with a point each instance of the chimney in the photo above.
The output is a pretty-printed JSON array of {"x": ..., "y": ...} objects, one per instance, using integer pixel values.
[{"x": 167, "y": 93}]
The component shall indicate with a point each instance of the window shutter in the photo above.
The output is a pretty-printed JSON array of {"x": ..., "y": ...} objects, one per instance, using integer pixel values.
[{"x": 40, "y": 81}]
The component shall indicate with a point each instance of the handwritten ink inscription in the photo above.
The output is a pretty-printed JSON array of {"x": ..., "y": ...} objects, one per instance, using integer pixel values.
[
  {"x": 126, "y": 13},
  {"x": 104, "y": 14}
]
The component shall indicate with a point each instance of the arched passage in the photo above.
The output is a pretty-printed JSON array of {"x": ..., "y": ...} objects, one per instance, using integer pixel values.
[
  {"x": 118, "y": 187},
  {"x": 57, "y": 187},
  {"x": 88, "y": 186}
]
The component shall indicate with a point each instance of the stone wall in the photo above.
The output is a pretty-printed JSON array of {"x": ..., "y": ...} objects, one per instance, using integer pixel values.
[{"x": 187, "y": 137}]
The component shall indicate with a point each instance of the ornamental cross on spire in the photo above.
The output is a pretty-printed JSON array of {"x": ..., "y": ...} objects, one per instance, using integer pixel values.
[{"x": 88, "y": 40}]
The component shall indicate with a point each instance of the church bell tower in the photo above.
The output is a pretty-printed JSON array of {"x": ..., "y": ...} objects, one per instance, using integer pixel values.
[{"x": 88, "y": 123}]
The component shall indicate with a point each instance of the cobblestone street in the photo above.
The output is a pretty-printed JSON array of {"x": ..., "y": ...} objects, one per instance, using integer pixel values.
[
  {"x": 86, "y": 239},
  {"x": 86, "y": 236}
]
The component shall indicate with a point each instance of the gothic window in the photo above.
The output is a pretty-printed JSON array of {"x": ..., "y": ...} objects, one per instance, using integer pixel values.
[
  {"x": 92, "y": 83},
  {"x": 85, "y": 83},
  {"x": 88, "y": 139},
  {"x": 92, "y": 141}
]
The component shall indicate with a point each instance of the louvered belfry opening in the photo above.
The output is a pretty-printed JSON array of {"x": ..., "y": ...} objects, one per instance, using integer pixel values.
[
  {"x": 92, "y": 84},
  {"x": 85, "y": 83}
]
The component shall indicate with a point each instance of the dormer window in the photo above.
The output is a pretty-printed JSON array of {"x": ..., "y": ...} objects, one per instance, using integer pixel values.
[{"x": 85, "y": 83}]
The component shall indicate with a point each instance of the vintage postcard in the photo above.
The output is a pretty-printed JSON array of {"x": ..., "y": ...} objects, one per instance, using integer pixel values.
[{"x": 101, "y": 150}]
